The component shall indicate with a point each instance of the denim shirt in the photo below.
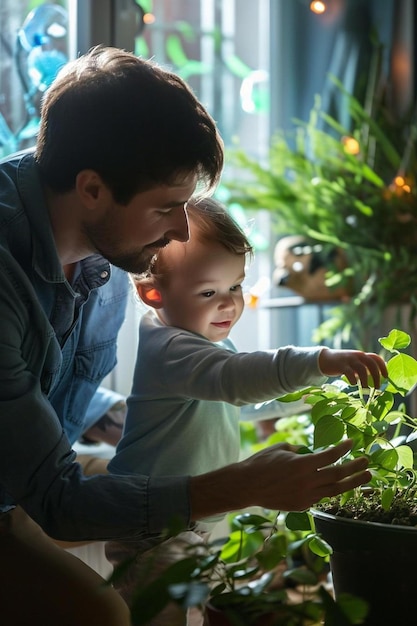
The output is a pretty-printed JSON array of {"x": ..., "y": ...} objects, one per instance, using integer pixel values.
[{"x": 57, "y": 342}]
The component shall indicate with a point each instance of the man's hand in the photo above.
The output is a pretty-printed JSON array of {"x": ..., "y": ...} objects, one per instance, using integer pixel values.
[{"x": 277, "y": 478}]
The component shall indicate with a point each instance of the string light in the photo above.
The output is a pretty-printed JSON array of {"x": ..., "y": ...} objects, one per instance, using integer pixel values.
[
  {"x": 400, "y": 185},
  {"x": 317, "y": 6},
  {"x": 351, "y": 145},
  {"x": 149, "y": 18}
]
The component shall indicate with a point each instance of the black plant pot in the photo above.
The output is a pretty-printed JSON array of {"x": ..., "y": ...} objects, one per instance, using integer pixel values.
[
  {"x": 376, "y": 562},
  {"x": 218, "y": 617}
]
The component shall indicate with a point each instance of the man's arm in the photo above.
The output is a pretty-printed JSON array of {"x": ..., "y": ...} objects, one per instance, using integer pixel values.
[{"x": 276, "y": 478}]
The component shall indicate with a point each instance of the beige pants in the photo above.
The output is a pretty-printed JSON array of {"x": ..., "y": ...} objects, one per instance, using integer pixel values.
[{"x": 42, "y": 585}]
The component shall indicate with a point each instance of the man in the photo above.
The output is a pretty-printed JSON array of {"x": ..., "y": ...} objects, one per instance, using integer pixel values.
[{"x": 122, "y": 146}]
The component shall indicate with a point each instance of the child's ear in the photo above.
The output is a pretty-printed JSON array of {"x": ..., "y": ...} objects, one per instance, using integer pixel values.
[{"x": 149, "y": 294}]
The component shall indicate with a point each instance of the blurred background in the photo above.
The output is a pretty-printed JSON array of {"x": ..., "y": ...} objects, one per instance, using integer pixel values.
[{"x": 257, "y": 65}]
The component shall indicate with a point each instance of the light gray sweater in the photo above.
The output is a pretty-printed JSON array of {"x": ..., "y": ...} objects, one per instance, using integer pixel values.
[{"x": 183, "y": 412}]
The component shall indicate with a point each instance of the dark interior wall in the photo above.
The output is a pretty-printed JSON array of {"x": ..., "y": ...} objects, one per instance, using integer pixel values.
[{"x": 306, "y": 48}]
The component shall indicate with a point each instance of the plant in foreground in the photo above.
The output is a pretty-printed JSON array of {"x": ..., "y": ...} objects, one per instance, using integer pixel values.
[
  {"x": 261, "y": 568},
  {"x": 380, "y": 428},
  {"x": 274, "y": 563}
]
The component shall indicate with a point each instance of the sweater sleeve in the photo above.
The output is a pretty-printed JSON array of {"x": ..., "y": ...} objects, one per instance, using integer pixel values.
[{"x": 188, "y": 365}]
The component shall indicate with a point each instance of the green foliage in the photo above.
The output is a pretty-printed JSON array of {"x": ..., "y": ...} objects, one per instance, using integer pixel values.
[
  {"x": 248, "y": 574},
  {"x": 367, "y": 416},
  {"x": 314, "y": 185}
]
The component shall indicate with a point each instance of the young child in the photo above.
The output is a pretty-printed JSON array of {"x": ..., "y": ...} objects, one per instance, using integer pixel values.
[{"x": 190, "y": 381}]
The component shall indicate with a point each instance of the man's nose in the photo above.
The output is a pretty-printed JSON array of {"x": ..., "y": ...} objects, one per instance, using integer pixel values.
[{"x": 179, "y": 228}]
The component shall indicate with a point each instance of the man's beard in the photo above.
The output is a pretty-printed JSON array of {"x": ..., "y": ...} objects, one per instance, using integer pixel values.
[{"x": 136, "y": 263}]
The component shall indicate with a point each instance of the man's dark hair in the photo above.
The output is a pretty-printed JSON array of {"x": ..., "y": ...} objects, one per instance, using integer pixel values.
[{"x": 133, "y": 122}]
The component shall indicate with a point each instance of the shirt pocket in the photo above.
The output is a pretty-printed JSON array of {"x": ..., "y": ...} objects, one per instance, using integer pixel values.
[{"x": 89, "y": 355}]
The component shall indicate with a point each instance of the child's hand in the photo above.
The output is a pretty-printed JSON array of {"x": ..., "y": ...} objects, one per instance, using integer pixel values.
[{"x": 353, "y": 364}]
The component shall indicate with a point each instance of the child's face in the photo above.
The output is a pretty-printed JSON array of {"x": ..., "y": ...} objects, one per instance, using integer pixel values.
[{"x": 203, "y": 293}]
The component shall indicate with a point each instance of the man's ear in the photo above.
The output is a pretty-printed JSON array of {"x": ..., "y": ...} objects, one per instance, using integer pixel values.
[
  {"x": 149, "y": 294},
  {"x": 92, "y": 190}
]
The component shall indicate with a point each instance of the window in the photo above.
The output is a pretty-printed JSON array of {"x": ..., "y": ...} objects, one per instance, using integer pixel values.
[
  {"x": 221, "y": 48},
  {"x": 34, "y": 45}
]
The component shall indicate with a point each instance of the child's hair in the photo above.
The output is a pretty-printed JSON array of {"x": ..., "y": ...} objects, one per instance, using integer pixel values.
[{"x": 210, "y": 223}]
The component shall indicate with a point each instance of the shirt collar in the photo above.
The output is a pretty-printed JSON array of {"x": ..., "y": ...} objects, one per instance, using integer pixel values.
[{"x": 95, "y": 269}]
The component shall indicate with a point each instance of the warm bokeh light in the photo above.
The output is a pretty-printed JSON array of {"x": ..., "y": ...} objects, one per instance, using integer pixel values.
[
  {"x": 351, "y": 145},
  {"x": 400, "y": 185},
  {"x": 251, "y": 300},
  {"x": 148, "y": 18},
  {"x": 318, "y": 7},
  {"x": 257, "y": 291}
]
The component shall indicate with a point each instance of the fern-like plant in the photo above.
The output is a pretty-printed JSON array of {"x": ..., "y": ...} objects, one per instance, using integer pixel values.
[{"x": 351, "y": 189}]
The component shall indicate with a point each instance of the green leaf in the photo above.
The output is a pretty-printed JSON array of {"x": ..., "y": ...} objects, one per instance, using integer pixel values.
[
  {"x": 175, "y": 51},
  {"x": 402, "y": 373},
  {"x": 193, "y": 68},
  {"x": 242, "y": 573},
  {"x": 346, "y": 496},
  {"x": 297, "y": 395},
  {"x": 145, "y": 4},
  {"x": 301, "y": 576},
  {"x": 353, "y": 607},
  {"x": 298, "y": 521},
  {"x": 348, "y": 412},
  {"x": 330, "y": 402},
  {"x": 388, "y": 459},
  {"x": 273, "y": 552},
  {"x": 241, "y": 545},
  {"x": 186, "y": 29},
  {"x": 396, "y": 340},
  {"x": 405, "y": 457},
  {"x": 359, "y": 419},
  {"x": 250, "y": 519},
  {"x": 320, "y": 547},
  {"x": 382, "y": 405},
  {"x": 387, "y": 497},
  {"x": 328, "y": 430}
]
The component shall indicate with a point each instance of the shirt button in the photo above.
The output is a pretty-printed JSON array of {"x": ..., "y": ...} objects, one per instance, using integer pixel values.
[{"x": 104, "y": 274}]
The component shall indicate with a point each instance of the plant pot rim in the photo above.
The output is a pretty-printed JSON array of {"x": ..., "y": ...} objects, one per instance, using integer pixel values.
[{"x": 339, "y": 519}]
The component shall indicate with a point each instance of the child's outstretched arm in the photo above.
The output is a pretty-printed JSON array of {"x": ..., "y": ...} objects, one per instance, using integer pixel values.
[{"x": 354, "y": 364}]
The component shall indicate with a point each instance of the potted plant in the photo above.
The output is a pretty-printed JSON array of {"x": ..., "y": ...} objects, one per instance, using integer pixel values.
[
  {"x": 372, "y": 531},
  {"x": 350, "y": 194},
  {"x": 265, "y": 573},
  {"x": 259, "y": 575}
]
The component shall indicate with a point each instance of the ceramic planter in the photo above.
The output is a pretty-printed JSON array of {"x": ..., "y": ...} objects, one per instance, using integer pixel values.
[{"x": 377, "y": 562}]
